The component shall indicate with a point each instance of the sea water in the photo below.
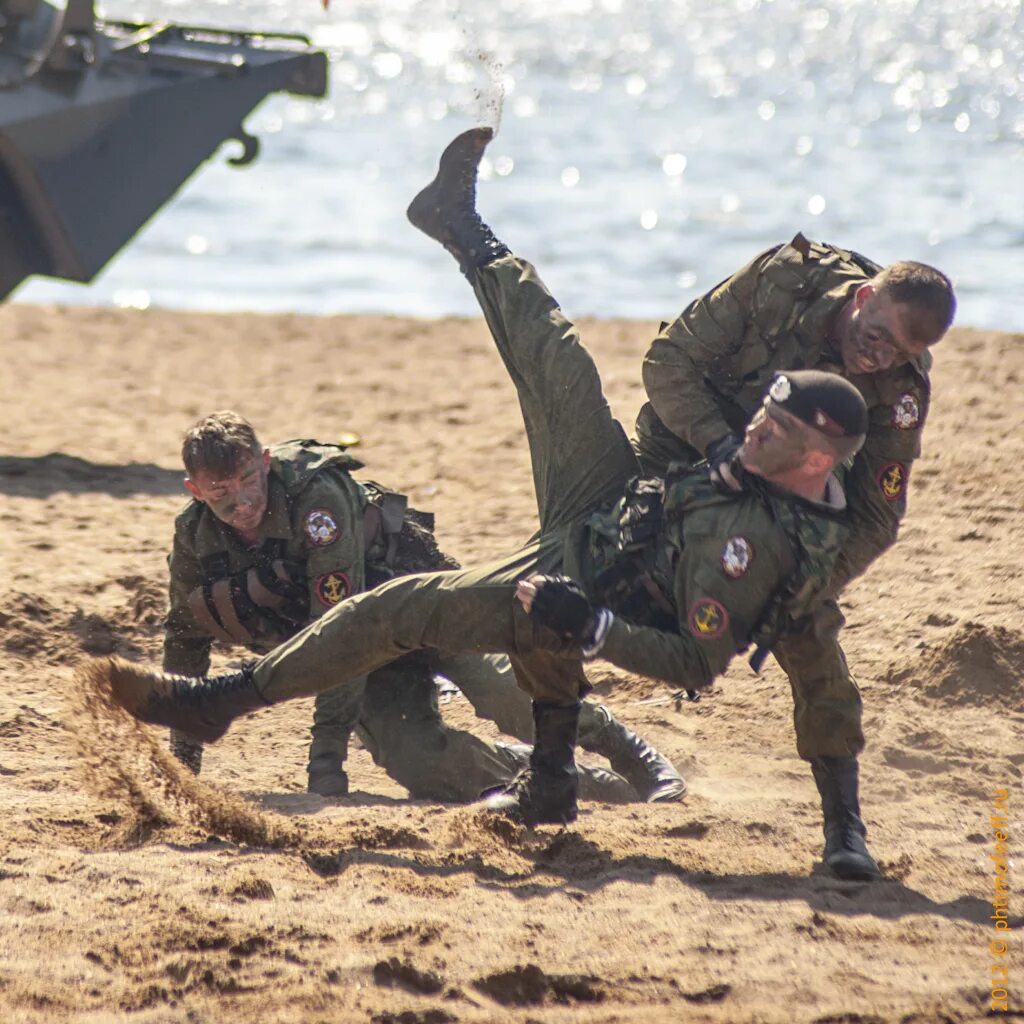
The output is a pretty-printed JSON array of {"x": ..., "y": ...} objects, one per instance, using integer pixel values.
[{"x": 645, "y": 150}]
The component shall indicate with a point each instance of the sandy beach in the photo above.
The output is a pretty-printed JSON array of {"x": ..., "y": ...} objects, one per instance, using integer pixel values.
[{"x": 130, "y": 892}]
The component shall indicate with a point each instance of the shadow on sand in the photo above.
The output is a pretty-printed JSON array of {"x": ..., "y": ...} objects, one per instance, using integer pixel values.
[
  {"x": 43, "y": 475},
  {"x": 569, "y": 860}
]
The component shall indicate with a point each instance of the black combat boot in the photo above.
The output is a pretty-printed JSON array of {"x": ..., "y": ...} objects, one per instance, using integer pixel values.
[
  {"x": 595, "y": 784},
  {"x": 326, "y": 776},
  {"x": 187, "y": 751},
  {"x": 544, "y": 793},
  {"x": 446, "y": 209},
  {"x": 846, "y": 851},
  {"x": 649, "y": 772},
  {"x": 201, "y": 707}
]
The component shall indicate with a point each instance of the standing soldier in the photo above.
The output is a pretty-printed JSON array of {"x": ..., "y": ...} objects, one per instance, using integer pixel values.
[
  {"x": 796, "y": 306},
  {"x": 276, "y": 537},
  {"x": 666, "y": 578}
]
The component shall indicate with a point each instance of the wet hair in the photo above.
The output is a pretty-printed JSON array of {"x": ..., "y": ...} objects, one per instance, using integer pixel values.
[
  {"x": 926, "y": 293},
  {"x": 218, "y": 444}
]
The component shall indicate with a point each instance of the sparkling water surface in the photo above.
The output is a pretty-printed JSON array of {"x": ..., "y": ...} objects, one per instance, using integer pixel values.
[{"x": 644, "y": 151}]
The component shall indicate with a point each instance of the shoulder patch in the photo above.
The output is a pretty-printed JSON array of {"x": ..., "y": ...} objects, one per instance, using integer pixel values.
[
  {"x": 737, "y": 556},
  {"x": 708, "y": 618},
  {"x": 906, "y": 413},
  {"x": 331, "y": 588},
  {"x": 321, "y": 529},
  {"x": 892, "y": 481}
]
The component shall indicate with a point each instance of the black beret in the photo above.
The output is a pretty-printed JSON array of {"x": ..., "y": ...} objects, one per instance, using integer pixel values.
[{"x": 825, "y": 401}]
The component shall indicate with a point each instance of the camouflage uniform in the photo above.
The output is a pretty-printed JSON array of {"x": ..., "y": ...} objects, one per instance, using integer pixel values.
[
  {"x": 693, "y": 574},
  {"x": 705, "y": 375},
  {"x": 315, "y": 548}
]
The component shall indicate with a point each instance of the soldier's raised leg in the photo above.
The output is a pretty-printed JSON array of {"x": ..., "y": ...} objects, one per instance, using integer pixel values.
[{"x": 580, "y": 454}]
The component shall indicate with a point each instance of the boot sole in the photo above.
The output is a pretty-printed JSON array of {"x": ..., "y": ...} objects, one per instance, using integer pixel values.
[{"x": 424, "y": 210}]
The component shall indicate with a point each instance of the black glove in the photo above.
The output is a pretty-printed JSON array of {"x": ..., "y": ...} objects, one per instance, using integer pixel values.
[
  {"x": 560, "y": 604},
  {"x": 723, "y": 466}
]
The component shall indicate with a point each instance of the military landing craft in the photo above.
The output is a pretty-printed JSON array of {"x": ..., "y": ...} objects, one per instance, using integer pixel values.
[{"x": 102, "y": 121}]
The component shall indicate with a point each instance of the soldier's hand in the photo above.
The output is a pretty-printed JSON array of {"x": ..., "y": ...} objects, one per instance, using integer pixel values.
[
  {"x": 723, "y": 466},
  {"x": 560, "y": 604}
]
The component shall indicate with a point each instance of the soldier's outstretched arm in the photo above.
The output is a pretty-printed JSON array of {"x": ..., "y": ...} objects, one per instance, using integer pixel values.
[
  {"x": 720, "y": 598},
  {"x": 680, "y": 359},
  {"x": 724, "y": 583}
]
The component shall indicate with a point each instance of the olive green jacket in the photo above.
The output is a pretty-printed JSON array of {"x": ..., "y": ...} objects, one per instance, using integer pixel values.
[
  {"x": 707, "y": 372},
  {"x": 314, "y": 523},
  {"x": 718, "y": 573}
]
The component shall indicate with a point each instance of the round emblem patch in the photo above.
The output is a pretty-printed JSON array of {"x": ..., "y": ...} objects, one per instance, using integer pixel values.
[
  {"x": 892, "y": 481},
  {"x": 708, "y": 618},
  {"x": 781, "y": 389},
  {"x": 321, "y": 529},
  {"x": 906, "y": 413},
  {"x": 331, "y": 588},
  {"x": 736, "y": 557}
]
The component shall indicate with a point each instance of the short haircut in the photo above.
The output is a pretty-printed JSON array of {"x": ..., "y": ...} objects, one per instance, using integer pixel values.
[
  {"x": 926, "y": 292},
  {"x": 218, "y": 444},
  {"x": 839, "y": 448}
]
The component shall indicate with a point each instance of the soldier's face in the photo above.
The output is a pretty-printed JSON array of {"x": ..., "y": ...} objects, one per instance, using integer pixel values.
[
  {"x": 878, "y": 337},
  {"x": 240, "y": 500},
  {"x": 775, "y": 442}
]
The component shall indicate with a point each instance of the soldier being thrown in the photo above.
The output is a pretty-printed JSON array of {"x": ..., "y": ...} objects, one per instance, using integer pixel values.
[
  {"x": 272, "y": 539},
  {"x": 665, "y": 578}
]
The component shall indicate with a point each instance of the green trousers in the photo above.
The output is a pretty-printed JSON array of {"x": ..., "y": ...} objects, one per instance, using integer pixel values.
[
  {"x": 395, "y": 714},
  {"x": 826, "y": 700},
  {"x": 488, "y": 682},
  {"x": 581, "y": 460}
]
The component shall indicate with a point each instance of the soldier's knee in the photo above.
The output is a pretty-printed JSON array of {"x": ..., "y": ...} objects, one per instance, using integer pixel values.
[{"x": 829, "y": 729}]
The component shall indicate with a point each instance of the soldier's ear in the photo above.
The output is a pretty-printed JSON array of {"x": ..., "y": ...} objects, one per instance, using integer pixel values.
[
  {"x": 862, "y": 294},
  {"x": 818, "y": 462},
  {"x": 266, "y": 458},
  {"x": 192, "y": 489}
]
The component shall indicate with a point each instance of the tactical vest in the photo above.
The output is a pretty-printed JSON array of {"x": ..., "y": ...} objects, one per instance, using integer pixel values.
[
  {"x": 637, "y": 547},
  {"x": 268, "y": 601}
]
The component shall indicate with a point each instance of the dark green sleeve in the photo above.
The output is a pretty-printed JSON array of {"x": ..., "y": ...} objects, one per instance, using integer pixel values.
[
  {"x": 709, "y": 331},
  {"x": 720, "y": 599},
  {"x": 328, "y": 515},
  {"x": 877, "y": 484},
  {"x": 186, "y": 646}
]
